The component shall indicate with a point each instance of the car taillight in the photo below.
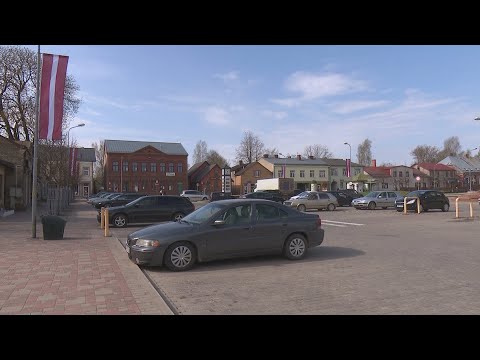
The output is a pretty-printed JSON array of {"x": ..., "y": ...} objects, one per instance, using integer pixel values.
[{"x": 319, "y": 223}]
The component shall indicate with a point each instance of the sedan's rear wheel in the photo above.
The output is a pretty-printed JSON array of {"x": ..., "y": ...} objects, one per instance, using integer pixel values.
[
  {"x": 180, "y": 256},
  {"x": 445, "y": 208},
  {"x": 371, "y": 206},
  {"x": 177, "y": 216},
  {"x": 331, "y": 207},
  {"x": 301, "y": 208},
  {"x": 204, "y": 198},
  {"x": 120, "y": 221},
  {"x": 295, "y": 247}
]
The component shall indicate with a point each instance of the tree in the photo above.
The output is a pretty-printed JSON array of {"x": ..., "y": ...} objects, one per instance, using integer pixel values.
[
  {"x": 251, "y": 148},
  {"x": 53, "y": 164},
  {"x": 271, "y": 151},
  {"x": 364, "y": 153},
  {"x": 98, "y": 170},
  {"x": 426, "y": 153},
  {"x": 18, "y": 76},
  {"x": 318, "y": 151},
  {"x": 451, "y": 147},
  {"x": 200, "y": 152},
  {"x": 213, "y": 157}
]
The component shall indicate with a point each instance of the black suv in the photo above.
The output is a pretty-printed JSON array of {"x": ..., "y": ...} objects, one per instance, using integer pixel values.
[
  {"x": 267, "y": 195},
  {"x": 150, "y": 209},
  {"x": 343, "y": 198},
  {"x": 119, "y": 200},
  {"x": 429, "y": 199},
  {"x": 351, "y": 192}
]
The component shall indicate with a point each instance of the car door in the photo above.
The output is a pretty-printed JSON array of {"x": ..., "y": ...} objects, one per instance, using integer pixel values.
[
  {"x": 323, "y": 200},
  {"x": 142, "y": 210},
  {"x": 270, "y": 227},
  {"x": 382, "y": 199},
  {"x": 392, "y": 196},
  {"x": 312, "y": 202},
  {"x": 432, "y": 201},
  {"x": 235, "y": 237}
]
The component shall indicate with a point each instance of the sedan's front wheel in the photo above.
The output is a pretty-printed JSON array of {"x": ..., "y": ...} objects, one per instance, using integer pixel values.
[
  {"x": 177, "y": 216},
  {"x": 180, "y": 256},
  {"x": 120, "y": 221},
  {"x": 295, "y": 247},
  {"x": 301, "y": 208}
]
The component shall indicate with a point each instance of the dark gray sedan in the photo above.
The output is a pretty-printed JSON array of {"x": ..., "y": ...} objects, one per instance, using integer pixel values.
[{"x": 226, "y": 229}]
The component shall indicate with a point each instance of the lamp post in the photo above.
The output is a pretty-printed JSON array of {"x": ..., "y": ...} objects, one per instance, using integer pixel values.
[
  {"x": 350, "y": 159},
  {"x": 284, "y": 170}
]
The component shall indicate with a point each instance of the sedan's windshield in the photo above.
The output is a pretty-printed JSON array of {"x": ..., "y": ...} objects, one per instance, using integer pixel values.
[
  {"x": 303, "y": 195},
  {"x": 373, "y": 194},
  {"x": 204, "y": 213}
]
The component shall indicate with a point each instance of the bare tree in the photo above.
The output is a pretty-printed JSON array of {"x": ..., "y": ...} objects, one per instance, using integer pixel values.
[
  {"x": 425, "y": 153},
  {"x": 200, "y": 152},
  {"x": 18, "y": 76},
  {"x": 271, "y": 151},
  {"x": 99, "y": 156},
  {"x": 54, "y": 164},
  {"x": 251, "y": 148},
  {"x": 364, "y": 153},
  {"x": 213, "y": 157},
  {"x": 318, "y": 151},
  {"x": 451, "y": 147}
]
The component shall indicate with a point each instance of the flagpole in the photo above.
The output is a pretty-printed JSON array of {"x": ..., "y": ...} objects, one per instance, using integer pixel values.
[{"x": 35, "y": 152}]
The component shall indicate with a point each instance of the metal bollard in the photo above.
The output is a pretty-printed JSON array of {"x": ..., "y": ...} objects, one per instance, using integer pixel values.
[
  {"x": 405, "y": 205},
  {"x": 102, "y": 218},
  {"x": 456, "y": 208},
  {"x": 471, "y": 209},
  {"x": 418, "y": 205},
  {"x": 107, "y": 225}
]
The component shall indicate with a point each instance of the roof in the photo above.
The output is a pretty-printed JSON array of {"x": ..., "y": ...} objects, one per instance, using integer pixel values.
[
  {"x": 461, "y": 163},
  {"x": 338, "y": 162},
  {"x": 86, "y": 154},
  {"x": 195, "y": 167},
  {"x": 198, "y": 176},
  {"x": 124, "y": 146},
  {"x": 362, "y": 177},
  {"x": 249, "y": 166},
  {"x": 295, "y": 161},
  {"x": 237, "y": 167},
  {"x": 434, "y": 166},
  {"x": 377, "y": 171}
]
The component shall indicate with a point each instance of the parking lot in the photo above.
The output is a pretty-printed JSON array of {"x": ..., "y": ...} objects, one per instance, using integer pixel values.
[{"x": 371, "y": 262}]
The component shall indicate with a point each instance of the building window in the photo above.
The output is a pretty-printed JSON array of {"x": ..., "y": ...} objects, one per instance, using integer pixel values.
[
  {"x": 162, "y": 167},
  {"x": 292, "y": 173},
  {"x": 153, "y": 167},
  {"x": 170, "y": 186},
  {"x": 256, "y": 173},
  {"x": 125, "y": 166},
  {"x": 302, "y": 173},
  {"x": 344, "y": 174},
  {"x": 86, "y": 171},
  {"x": 321, "y": 173},
  {"x": 115, "y": 166},
  {"x": 134, "y": 167},
  {"x": 115, "y": 185},
  {"x": 170, "y": 169},
  {"x": 395, "y": 173},
  {"x": 312, "y": 173},
  {"x": 280, "y": 173},
  {"x": 180, "y": 167},
  {"x": 125, "y": 186},
  {"x": 357, "y": 171},
  {"x": 407, "y": 174},
  {"x": 334, "y": 172},
  {"x": 144, "y": 167},
  {"x": 400, "y": 174},
  {"x": 385, "y": 186}
]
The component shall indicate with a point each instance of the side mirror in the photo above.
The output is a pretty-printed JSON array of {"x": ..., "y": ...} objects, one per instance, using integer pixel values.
[{"x": 219, "y": 222}]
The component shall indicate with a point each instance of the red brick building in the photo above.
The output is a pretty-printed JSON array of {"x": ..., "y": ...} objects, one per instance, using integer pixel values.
[
  {"x": 145, "y": 167},
  {"x": 205, "y": 177}
]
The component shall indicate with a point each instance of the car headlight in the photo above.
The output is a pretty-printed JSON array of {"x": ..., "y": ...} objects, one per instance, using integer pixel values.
[
  {"x": 411, "y": 201},
  {"x": 147, "y": 243}
]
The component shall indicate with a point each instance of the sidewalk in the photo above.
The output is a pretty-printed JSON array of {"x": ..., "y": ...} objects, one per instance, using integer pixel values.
[{"x": 85, "y": 273}]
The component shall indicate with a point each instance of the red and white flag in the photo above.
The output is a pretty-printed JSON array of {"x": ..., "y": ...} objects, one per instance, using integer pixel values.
[
  {"x": 73, "y": 161},
  {"x": 348, "y": 168},
  {"x": 52, "y": 87}
]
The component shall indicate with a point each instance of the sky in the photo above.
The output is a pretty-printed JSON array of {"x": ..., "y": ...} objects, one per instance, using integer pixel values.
[{"x": 397, "y": 96}]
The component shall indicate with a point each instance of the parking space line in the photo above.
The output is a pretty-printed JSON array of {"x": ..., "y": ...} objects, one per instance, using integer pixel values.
[
  {"x": 324, "y": 223},
  {"x": 341, "y": 222}
]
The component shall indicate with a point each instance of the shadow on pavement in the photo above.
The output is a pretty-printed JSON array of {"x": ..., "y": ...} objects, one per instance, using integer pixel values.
[{"x": 315, "y": 254}]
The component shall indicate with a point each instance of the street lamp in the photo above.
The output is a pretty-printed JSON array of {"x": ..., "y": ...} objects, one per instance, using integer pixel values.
[
  {"x": 478, "y": 118},
  {"x": 284, "y": 170},
  {"x": 68, "y": 133}
]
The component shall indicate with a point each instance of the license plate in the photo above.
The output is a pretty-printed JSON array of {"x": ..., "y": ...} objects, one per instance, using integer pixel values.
[{"x": 127, "y": 249}]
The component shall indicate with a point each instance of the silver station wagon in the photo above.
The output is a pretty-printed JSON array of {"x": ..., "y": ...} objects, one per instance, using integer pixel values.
[
  {"x": 313, "y": 200},
  {"x": 374, "y": 199}
]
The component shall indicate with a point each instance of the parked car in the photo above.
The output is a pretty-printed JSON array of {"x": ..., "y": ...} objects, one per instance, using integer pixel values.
[
  {"x": 110, "y": 196},
  {"x": 218, "y": 195},
  {"x": 342, "y": 198},
  {"x": 150, "y": 209},
  {"x": 313, "y": 200},
  {"x": 374, "y": 199},
  {"x": 118, "y": 200},
  {"x": 267, "y": 195},
  {"x": 101, "y": 196},
  {"x": 352, "y": 192},
  {"x": 194, "y": 195},
  {"x": 226, "y": 229},
  {"x": 429, "y": 199}
]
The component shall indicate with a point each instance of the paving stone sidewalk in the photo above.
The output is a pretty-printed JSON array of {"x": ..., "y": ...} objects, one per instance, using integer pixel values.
[{"x": 85, "y": 273}]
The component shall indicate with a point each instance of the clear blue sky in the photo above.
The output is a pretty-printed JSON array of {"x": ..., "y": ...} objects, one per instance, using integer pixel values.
[{"x": 290, "y": 96}]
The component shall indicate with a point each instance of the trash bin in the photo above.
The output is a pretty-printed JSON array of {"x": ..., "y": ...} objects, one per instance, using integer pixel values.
[{"x": 53, "y": 227}]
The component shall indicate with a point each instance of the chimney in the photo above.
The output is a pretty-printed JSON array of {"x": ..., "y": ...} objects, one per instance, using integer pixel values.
[
  {"x": 265, "y": 156},
  {"x": 299, "y": 157},
  {"x": 289, "y": 157},
  {"x": 276, "y": 156},
  {"x": 374, "y": 163},
  {"x": 240, "y": 163},
  {"x": 311, "y": 157}
]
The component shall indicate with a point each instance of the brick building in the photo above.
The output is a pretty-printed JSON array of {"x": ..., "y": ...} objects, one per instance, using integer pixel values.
[
  {"x": 15, "y": 173},
  {"x": 146, "y": 167},
  {"x": 245, "y": 179},
  {"x": 205, "y": 177}
]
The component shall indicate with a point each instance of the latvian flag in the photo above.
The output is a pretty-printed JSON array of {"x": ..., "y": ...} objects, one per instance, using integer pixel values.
[
  {"x": 52, "y": 87},
  {"x": 348, "y": 167}
]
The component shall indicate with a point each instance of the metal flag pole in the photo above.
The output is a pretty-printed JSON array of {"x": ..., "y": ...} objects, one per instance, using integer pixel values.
[{"x": 35, "y": 152}]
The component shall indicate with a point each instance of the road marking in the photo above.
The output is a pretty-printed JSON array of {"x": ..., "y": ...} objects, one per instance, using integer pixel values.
[
  {"x": 324, "y": 223},
  {"x": 341, "y": 222}
]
